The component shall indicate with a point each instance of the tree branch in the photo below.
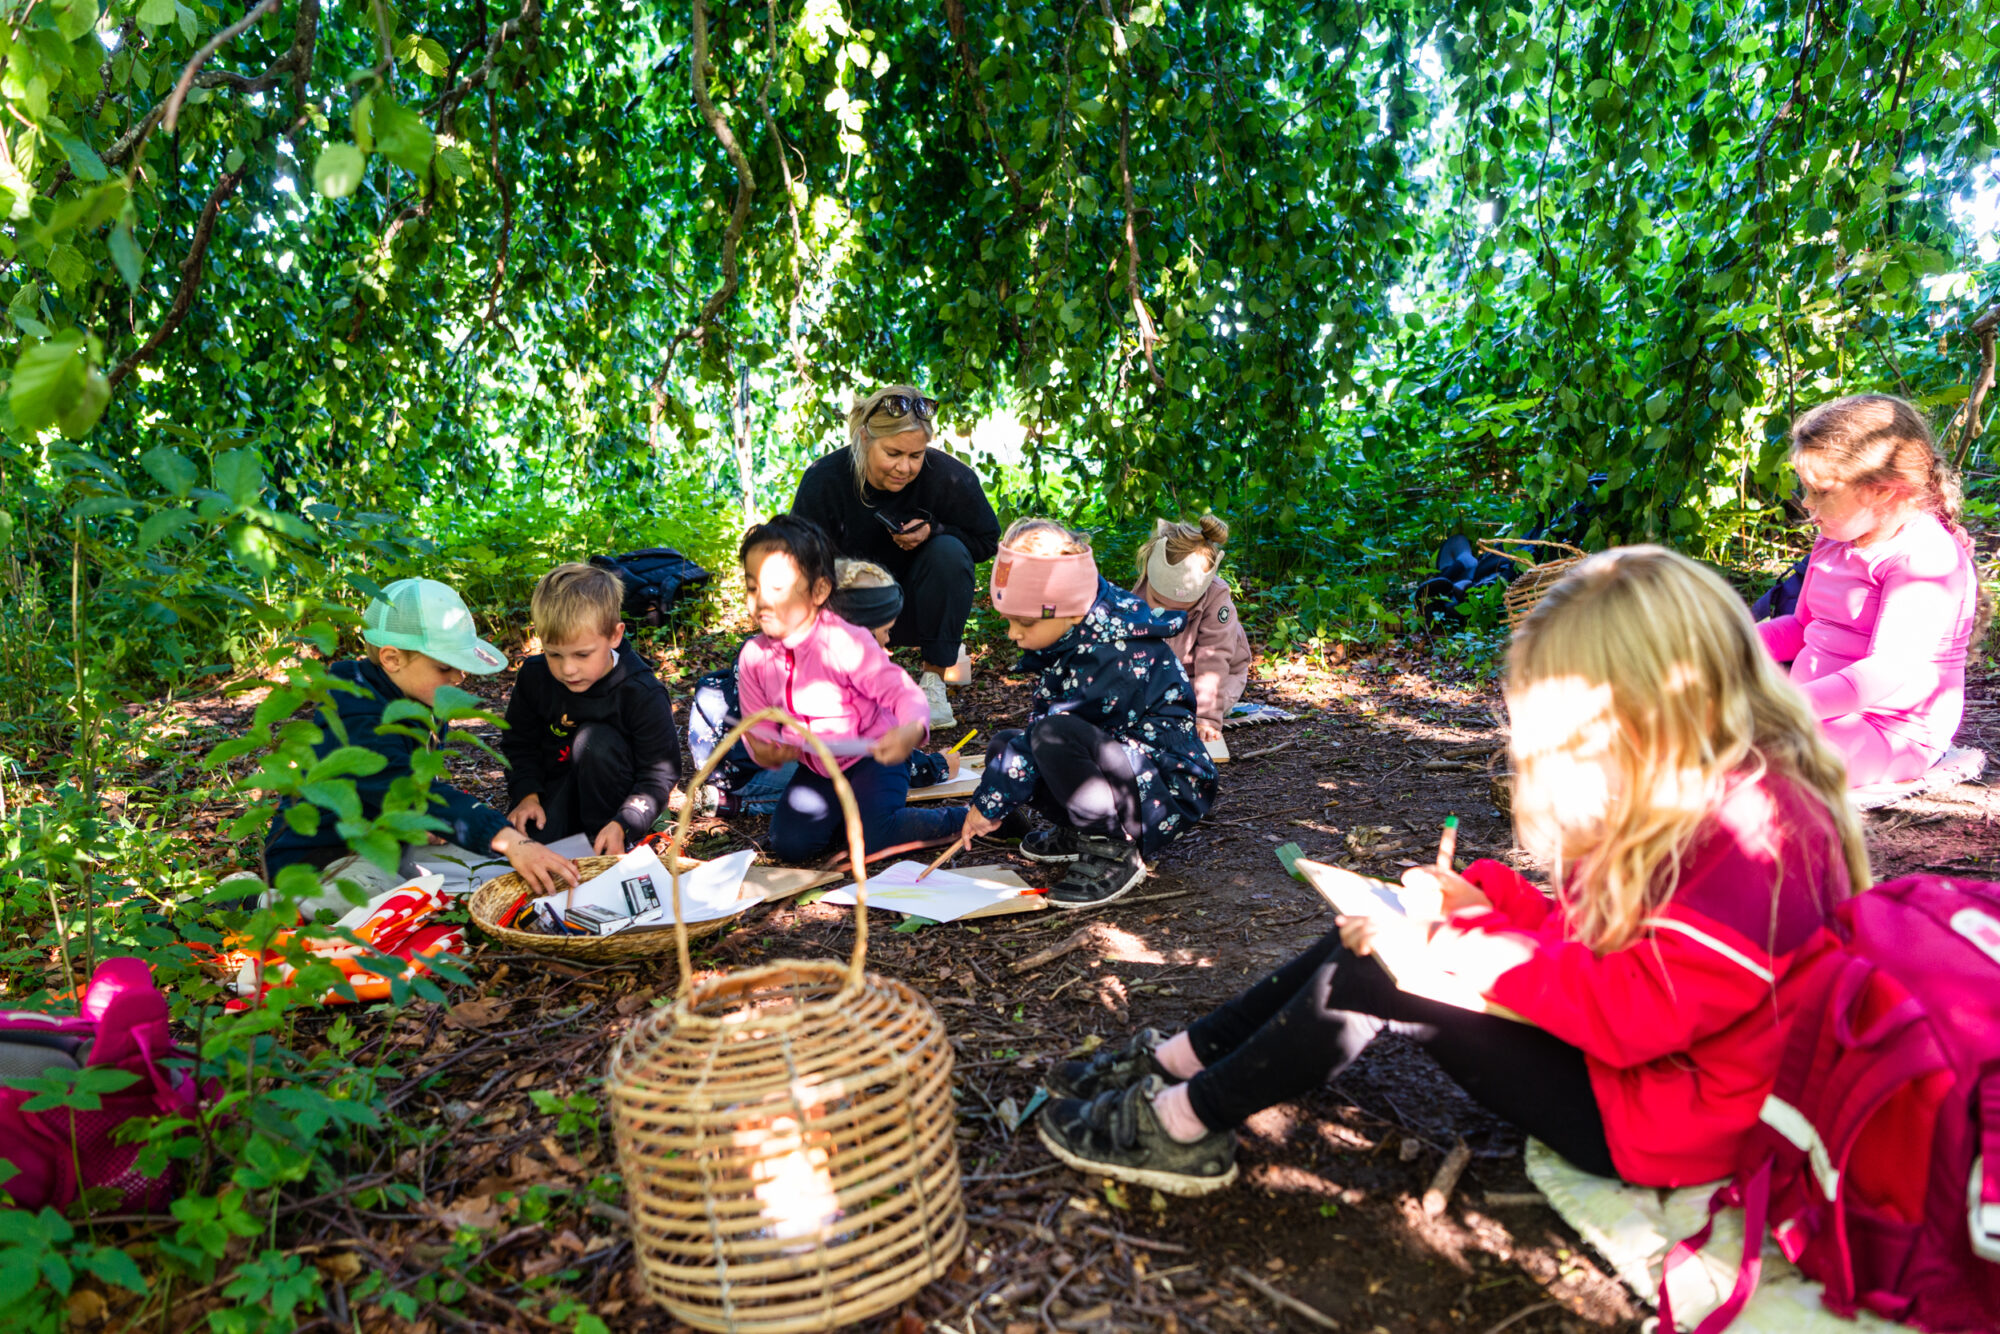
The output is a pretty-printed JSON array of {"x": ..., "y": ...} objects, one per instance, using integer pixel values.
[
  {"x": 954, "y": 14},
  {"x": 1984, "y": 329},
  {"x": 1148, "y": 335},
  {"x": 191, "y": 268},
  {"x": 791, "y": 204},
  {"x": 530, "y": 15},
  {"x": 746, "y": 186},
  {"x": 201, "y": 57}
]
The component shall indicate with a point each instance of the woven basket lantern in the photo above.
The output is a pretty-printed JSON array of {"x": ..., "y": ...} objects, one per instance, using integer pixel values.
[
  {"x": 786, "y": 1133},
  {"x": 1527, "y": 587}
]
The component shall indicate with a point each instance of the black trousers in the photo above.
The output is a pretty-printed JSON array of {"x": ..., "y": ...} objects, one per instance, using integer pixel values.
[
  {"x": 1306, "y": 1022},
  {"x": 937, "y": 598},
  {"x": 1085, "y": 777},
  {"x": 590, "y": 789}
]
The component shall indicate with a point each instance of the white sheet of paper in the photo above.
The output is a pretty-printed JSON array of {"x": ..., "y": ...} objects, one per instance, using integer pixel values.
[
  {"x": 940, "y": 896},
  {"x": 708, "y": 892},
  {"x": 576, "y": 845}
]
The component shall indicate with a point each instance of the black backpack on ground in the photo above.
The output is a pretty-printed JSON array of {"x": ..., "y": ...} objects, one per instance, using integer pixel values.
[{"x": 654, "y": 580}]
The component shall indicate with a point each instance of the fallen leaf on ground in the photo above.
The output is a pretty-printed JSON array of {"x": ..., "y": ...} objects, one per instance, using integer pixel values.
[
  {"x": 482, "y": 1013},
  {"x": 86, "y": 1308},
  {"x": 481, "y": 1213},
  {"x": 630, "y": 1005},
  {"x": 341, "y": 1266}
]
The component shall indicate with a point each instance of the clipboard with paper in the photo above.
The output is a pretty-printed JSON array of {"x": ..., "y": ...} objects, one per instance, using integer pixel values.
[{"x": 1403, "y": 957}]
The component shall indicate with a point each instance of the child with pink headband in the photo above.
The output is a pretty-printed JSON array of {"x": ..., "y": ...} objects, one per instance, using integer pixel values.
[{"x": 1110, "y": 753}]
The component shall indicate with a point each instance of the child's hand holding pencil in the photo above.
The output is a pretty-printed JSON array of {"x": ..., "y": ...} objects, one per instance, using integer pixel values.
[{"x": 1438, "y": 891}]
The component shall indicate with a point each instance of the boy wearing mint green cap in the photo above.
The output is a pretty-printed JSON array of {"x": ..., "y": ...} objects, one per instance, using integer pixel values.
[{"x": 421, "y": 637}]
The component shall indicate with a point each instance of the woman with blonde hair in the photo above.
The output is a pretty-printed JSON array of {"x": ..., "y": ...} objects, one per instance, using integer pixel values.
[
  {"x": 1178, "y": 572},
  {"x": 892, "y": 498},
  {"x": 1696, "y": 832}
]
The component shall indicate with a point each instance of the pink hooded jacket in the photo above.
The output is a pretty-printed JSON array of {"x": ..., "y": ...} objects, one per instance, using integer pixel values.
[
  {"x": 1884, "y": 631},
  {"x": 834, "y": 677}
]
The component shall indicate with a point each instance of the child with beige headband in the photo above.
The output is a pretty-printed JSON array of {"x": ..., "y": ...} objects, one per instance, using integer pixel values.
[{"x": 1177, "y": 572}]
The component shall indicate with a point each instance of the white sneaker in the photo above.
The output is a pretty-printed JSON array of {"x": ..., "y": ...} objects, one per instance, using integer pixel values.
[
  {"x": 960, "y": 672},
  {"x": 933, "y": 687}
]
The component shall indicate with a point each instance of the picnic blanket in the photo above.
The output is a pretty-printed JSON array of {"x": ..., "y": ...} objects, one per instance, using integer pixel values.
[{"x": 1632, "y": 1227}]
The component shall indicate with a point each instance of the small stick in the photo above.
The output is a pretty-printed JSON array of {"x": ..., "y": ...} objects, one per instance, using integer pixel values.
[
  {"x": 1446, "y": 1180},
  {"x": 1448, "y": 843},
  {"x": 1284, "y": 1299},
  {"x": 945, "y": 856},
  {"x": 1267, "y": 750},
  {"x": 1041, "y": 958}
]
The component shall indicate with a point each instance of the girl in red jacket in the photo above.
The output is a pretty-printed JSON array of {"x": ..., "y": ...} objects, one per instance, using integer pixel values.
[{"x": 1696, "y": 831}]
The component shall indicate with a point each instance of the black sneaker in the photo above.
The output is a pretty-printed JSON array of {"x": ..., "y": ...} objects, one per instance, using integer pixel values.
[
  {"x": 1109, "y": 1068},
  {"x": 1117, "y": 1134},
  {"x": 1051, "y": 843},
  {"x": 1104, "y": 869}
]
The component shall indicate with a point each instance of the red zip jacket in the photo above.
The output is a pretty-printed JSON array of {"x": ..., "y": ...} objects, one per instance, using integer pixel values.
[{"x": 1678, "y": 1028}]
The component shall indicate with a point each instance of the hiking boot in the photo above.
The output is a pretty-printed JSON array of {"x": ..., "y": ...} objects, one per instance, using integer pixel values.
[
  {"x": 1051, "y": 843},
  {"x": 1109, "y": 1068},
  {"x": 933, "y": 687},
  {"x": 1104, "y": 870},
  {"x": 1117, "y": 1134}
]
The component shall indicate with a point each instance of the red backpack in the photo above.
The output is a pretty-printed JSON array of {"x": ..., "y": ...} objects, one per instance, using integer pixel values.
[{"x": 1876, "y": 1165}]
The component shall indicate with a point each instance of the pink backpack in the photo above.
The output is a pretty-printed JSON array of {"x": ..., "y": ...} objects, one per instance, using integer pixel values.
[
  {"x": 1876, "y": 1165},
  {"x": 123, "y": 1026}
]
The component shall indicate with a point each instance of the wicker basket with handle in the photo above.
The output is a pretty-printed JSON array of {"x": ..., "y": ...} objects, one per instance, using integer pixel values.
[
  {"x": 1535, "y": 578},
  {"x": 786, "y": 1133}
]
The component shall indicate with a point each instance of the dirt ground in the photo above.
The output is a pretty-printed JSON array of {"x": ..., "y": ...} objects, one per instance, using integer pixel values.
[{"x": 1327, "y": 1214}]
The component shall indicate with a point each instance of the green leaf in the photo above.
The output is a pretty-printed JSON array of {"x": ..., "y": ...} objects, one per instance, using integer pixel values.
[
  {"x": 239, "y": 476},
  {"x": 126, "y": 255},
  {"x": 48, "y": 378},
  {"x": 113, "y": 1266},
  {"x": 83, "y": 159},
  {"x": 158, "y": 527},
  {"x": 345, "y": 761},
  {"x": 1288, "y": 857},
  {"x": 83, "y": 411},
  {"x": 74, "y": 18},
  {"x": 68, "y": 267},
  {"x": 364, "y": 122},
  {"x": 338, "y": 172},
  {"x": 431, "y": 57},
  {"x": 159, "y": 13},
  {"x": 171, "y": 469},
  {"x": 401, "y": 135}
]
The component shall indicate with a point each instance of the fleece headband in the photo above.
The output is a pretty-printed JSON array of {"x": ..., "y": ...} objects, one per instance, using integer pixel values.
[
  {"x": 868, "y": 607},
  {"x": 1185, "y": 582},
  {"x": 1043, "y": 587}
]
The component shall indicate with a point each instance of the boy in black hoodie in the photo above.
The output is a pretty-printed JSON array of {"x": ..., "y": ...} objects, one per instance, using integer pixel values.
[{"x": 590, "y": 740}]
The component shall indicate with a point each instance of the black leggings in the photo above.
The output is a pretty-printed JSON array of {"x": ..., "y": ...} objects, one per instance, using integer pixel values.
[
  {"x": 1305, "y": 1023},
  {"x": 1084, "y": 777}
]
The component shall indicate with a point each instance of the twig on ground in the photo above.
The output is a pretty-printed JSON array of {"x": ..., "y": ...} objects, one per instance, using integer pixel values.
[
  {"x": 1520, "y": 1315},
  {"x": 1143, "y": 1243},
  {"x": 1438, "y": 1197},
  {"x": 1267, "y": 750},
  {"x": 1041, "y": 958},
  {"x": 1503, "y": 1199},
  {"x": 1284, "y": 1299}
]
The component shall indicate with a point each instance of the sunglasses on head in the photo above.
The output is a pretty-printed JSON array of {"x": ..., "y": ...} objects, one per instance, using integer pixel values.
[{"x": 902, "y": 405}]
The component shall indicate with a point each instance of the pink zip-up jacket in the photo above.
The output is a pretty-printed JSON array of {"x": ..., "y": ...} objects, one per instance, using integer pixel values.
[
  {"x": 1883, "y": 631},
  {"x": 834, "y": 677}
]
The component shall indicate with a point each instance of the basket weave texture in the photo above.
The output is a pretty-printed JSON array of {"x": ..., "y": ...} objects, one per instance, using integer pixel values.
[
  {"x": 496, "y": 896},
  {"x": 1535, "y": 579},
  {"x": 785, "y": 1134}
]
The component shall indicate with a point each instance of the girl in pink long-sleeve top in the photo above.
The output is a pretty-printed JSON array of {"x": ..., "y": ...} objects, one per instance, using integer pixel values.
[
  {"x": 1890, "y": 603},
  {"x": 840, "y": 683}
]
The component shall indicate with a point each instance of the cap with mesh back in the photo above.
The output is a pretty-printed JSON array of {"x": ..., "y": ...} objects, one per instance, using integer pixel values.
[{"x": 427, "y": 617}]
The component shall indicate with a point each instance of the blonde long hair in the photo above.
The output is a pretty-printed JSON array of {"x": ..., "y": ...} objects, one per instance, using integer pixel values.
[{"x": 1637, "y": 687}]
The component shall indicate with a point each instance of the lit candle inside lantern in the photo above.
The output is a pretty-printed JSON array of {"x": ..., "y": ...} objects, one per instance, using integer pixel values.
[{"x": 791, "y": 1179}]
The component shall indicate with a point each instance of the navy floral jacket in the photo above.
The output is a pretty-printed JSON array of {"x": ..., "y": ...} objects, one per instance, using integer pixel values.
[{"x": 1116, "y": 670}]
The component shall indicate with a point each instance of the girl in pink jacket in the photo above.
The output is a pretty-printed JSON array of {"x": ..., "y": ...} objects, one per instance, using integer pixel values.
[
  {"x": 1890, "y": 601},
  {"x": 836, "y": 679},
  {"x": 1177, "y": 572}
]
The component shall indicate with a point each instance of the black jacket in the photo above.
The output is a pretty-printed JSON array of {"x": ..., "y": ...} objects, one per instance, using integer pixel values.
[
  {"x": 945, "y": 490},
  {"x": 543, "y": 716},
  {"x": 1116, "y": 670},
  {"x": 473, "y": 823}
]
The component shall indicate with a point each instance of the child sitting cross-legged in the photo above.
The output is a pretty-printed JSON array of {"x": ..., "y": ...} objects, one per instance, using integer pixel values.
[
  {"x": 1177, "y": 572},
  {"x": 590, "y": 742},
  {"x": 1697, "y": 832},
  {"x": 835, "y": 678},
  {"x": 864, "y": 595},
  {"x": 420, "y": 638},
  {"x": 1888, "y": 610},
  {"x": 1110, "y": 752}
]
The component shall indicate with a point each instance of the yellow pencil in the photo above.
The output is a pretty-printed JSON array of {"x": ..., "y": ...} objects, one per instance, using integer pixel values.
[{"x": 962, "y": 740}]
